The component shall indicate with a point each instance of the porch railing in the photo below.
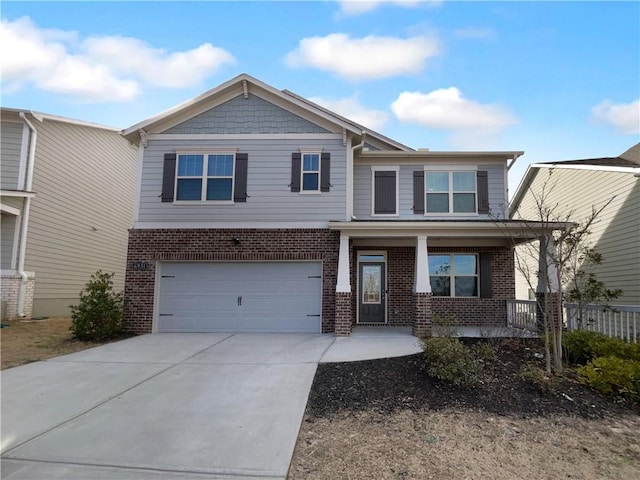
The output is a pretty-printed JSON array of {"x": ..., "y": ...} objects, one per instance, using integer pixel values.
[
  {"x": 521, "y": 314},
  {"x": 615, "y": 321}
]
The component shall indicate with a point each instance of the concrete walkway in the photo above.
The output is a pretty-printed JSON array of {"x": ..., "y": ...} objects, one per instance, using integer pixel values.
[{"x": 179, "y": 406}]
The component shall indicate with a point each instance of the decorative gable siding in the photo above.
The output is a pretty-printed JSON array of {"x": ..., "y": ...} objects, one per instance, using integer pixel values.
[
  {"x": 268, "y": 184},
  {"x": 245, "y": 116},
  {"x": 362, "y": 192},
  {"x": 10, "y": 146}
]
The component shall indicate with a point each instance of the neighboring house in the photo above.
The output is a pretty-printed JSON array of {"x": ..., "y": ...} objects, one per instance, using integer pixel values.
[
  {"x": 259, "y": 211},
  {"x": 576, "y": 186},
  {"x": 66, "y": 206}
]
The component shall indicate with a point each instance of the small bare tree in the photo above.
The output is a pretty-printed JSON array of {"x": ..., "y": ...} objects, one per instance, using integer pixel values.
[{"x": 560, "y": 238}]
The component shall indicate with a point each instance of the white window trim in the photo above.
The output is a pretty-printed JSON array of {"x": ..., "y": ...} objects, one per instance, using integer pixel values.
[
  {"x": 205, "y": 152},
  {"x": 451, "y": 169},
  {"x": 310, "y": 151},
  {"x": 452, "y": 275},
  {"x": 383, "y": 168},
  {"x": 386, "y": 278}
]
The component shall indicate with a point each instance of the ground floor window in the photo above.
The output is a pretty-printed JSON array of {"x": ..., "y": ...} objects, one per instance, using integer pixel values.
[{"x": 454, "y": 275}]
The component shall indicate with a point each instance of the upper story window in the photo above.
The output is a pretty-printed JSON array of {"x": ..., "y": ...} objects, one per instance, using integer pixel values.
[
  {"x": 310, "y": 172},
  {"x": 454, "y": 275},
  {"x": 451, "y": 192},
  {"x": 207, "y": 177}
]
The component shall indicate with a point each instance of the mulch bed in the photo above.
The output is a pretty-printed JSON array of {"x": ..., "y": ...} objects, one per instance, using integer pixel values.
[{"x": 391, "y": 384}]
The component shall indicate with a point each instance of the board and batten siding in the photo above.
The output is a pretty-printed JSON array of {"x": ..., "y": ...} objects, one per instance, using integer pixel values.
[
  {"x": 268, "y": 179},
  {"x": 616, "y": 233},
  {"x": 10, "y": 148},
  {"x": 362, "y": 191},
  {"x": 85, "y": 180}
]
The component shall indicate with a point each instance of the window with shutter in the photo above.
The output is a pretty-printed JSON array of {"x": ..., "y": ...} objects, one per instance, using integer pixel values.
[{"x": 310, "y": 172}]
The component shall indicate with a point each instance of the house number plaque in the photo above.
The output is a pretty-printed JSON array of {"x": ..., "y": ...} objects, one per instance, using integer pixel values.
[{"x": 138, "y": 266}]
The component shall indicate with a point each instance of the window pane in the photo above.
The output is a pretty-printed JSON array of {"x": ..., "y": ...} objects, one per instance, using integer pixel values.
[
  {"x": 310, "y": 181},
  {"x": 440, "y": 286},
  {"x": 189, "y": 189},
  {"x": 219, "y": 188},
  {"x": 310, "y": 162},
  {"x": 464, "y": 181},
  {"x": 437, "y": 202},
  {"x": 437, "y": 181},
  {"x": 464, "y": 202},
  {"x": 466, "y": 286},
  {"x": 440, "y": 264},
  {"x": 190, "y": 165},
  {"x": 371, "y": 257},
  {"x": 220, "y": 166},
  {"x": 465, "y": 264}
]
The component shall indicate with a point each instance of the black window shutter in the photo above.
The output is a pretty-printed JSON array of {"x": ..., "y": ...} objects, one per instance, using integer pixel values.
[
  {"x": 385, "y": 192},
  {"x": 483, "y": 191},
  {"x": 168, "y": 177},
  {"x": 325, "y": 172},
  {"x": 486, "y": 285},
  {"x": 296, "y": 159},
  {"x": 418, "y": 191},
  {"x": 240, "y": 187}
]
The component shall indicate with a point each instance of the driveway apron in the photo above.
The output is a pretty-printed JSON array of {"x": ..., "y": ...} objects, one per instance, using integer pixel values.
[{"x": 161, "y": 406}]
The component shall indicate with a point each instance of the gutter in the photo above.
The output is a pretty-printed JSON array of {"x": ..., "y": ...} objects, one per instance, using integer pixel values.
[{"x": 25, "y": 214}]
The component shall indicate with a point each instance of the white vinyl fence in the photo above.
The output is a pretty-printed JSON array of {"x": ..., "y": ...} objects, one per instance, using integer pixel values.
[
  {"x": 615, "y": 321},
  {"x": 521, "y": 314}
]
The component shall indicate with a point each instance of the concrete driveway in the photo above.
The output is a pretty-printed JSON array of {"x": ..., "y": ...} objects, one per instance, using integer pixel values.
[{"x": 178, "y": 406}]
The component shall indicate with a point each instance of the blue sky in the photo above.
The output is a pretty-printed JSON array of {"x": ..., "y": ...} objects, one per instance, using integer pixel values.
[{"x": 559, "y": 80}]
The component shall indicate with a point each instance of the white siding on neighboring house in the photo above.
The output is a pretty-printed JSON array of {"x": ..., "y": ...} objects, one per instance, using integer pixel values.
[
  {"x": 268, "y": 178},
  {"x": 84, "y": 182},
  {"x": 362, "y": 191},
  {"x": 616, "y": 235},
  {"x": 10, "y": 147}
]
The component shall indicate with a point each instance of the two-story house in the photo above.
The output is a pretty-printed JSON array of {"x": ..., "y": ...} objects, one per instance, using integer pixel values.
[
  {"x": 260, "y": 211},
  {"x": 66, "y": 206}
]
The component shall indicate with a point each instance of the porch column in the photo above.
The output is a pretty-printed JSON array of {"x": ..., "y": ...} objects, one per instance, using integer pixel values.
[
  {"x": 548, "y": 292},
  {"x": 343, "y": 290},
  {"x": 421, "y": 326}
]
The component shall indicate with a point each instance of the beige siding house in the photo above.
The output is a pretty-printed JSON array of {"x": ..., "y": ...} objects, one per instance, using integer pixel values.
[
  {"x": 577, "y": 186},
  {"x": 66, "y": 206}
]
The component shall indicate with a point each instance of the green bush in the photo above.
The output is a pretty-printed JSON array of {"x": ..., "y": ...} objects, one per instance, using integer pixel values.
[
  {"x": 612, "y": 376},
  {"x": 582, "y": 346},
  {"x": 98, "y": 316},
  {"x": 447, "y": 359},
  {"x": 538, "y": 378}
]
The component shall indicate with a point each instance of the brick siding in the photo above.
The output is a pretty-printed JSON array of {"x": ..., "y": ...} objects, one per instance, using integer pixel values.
[
  {"x": 151, "y": 246},
  {"x": 9, "y": 295}
]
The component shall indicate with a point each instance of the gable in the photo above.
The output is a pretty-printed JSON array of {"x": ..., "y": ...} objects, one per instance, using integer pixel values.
[{"x": 249, "y": 115}]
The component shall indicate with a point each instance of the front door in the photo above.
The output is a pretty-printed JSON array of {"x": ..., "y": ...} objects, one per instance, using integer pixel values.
[{"x": 371, "y": 298}]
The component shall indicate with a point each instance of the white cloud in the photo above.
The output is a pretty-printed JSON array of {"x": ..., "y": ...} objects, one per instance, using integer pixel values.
[
  {"x": 96, "y": 69},
  {"x": 364, "y": 58},
  {"x": 358, "y": 7},
  {"x": 447, "y": 109},
  {"x": 624, "y": 117},
  {"x": 351, "y": 108}
]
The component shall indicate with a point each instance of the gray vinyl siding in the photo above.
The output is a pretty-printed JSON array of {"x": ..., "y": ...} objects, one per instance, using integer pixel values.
[
  {"x": 245, "y": 116},
  {"x": 617, "y": 232},
  {"x": 268, "y": 178},
  {"x": 84, "y": 181},
  {"x": 8, "y": 224},
  {"x": 10, "y": 147},
  {"x": 362, "y": 192}
]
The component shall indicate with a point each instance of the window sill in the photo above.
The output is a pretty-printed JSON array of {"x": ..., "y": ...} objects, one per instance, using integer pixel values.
[
  {"x": 311, "y": 192},
  {"x": 203, "y": 202}
]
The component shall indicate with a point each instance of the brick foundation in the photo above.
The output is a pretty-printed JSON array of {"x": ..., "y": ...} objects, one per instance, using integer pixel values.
[
  {"x": 9, "y": 296},
  {"x": 421, "y": 326},
  {"x": 150, "y": 246},
  {"x": 343, "y": 318}
]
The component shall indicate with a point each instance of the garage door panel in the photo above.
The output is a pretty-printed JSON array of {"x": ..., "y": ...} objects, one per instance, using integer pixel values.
[{"x": 240, "y": 297}]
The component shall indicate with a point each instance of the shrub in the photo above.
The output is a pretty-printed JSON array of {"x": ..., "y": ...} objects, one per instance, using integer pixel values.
[
  {"x": 582, "y": 346},
  {"x": 484, "y": 351},
  {"x": 538, "y": 378},
  {"x": 612, "y": 376},
  {"x": 447, "y": 359},
  {"x": 98, "y": 316}
]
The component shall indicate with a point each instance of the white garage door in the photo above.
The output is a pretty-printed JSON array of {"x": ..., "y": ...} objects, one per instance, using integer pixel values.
[{"x": 240, "y": 297}]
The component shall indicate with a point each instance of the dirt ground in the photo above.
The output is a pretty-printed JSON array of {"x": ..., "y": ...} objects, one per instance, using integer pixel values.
[
  {"x": 386, "y": 419},
  {"x": 29, "y": 341}
]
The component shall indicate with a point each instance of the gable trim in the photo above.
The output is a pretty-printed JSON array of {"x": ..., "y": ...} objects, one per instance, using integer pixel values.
[{"x": 246, "y": 136}]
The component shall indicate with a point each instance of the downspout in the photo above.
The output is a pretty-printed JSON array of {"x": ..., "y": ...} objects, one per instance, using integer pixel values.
[
  {"x": 25, "y": 214},
  {"x": 350, "y": 174}
]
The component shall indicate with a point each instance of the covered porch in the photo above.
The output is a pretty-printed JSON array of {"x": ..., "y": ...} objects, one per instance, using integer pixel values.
[{"x": 428, "y": 276}]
